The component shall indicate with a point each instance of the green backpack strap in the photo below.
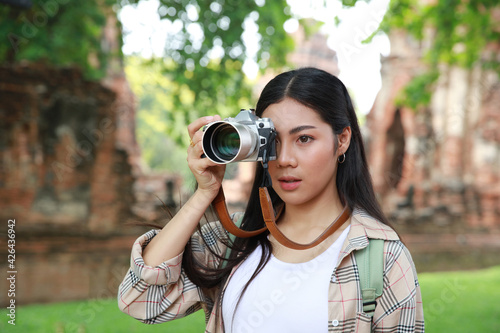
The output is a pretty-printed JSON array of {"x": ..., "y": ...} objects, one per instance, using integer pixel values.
[
  {"x": 370, "y": 261},
  {"x": 231, "y": 241}
]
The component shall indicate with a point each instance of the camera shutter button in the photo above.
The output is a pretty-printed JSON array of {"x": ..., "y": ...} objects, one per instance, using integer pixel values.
[{"x": 261, "y": 125}]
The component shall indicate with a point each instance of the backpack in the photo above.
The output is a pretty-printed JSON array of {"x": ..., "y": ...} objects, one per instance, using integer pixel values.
[{"x": 370, "y": 262}]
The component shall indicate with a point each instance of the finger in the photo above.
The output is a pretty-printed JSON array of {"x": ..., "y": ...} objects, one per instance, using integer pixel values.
[
  {"x": 195, "y": 150},
  {"x": 197, "y": 138},
  {"x": 199, "y": 166},
  {"x": 199, "y": 123}
]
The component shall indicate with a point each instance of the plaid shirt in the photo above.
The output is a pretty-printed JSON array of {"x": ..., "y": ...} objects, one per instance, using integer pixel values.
[{"x": 163, "y": 293}]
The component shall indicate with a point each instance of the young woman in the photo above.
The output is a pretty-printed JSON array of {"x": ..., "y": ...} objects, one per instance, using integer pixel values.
[{"x": 264, "y": 286}]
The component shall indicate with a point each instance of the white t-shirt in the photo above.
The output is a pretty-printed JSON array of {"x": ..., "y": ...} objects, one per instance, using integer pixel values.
[{"x": 284, "y": 297}]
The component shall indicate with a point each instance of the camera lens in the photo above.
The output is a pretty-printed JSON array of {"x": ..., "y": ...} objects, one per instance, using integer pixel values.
[{"x": 226, "y": 142}]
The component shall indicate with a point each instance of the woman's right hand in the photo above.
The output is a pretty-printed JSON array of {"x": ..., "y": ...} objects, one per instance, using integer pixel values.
[
  {"x": 172, "y": 239},
  {"x": 208, "y": 174}
]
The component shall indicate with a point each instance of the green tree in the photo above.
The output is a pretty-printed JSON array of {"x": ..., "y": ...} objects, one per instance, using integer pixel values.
[
  {"x": 207, "y": 83},
  {"x": 458, "y": 31},
  {"x": 57, "y": 32},
  {"x": 153, "y": 91}
]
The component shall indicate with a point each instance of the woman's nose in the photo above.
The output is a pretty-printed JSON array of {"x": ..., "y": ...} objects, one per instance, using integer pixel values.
[{"x": 285, "y": 156}]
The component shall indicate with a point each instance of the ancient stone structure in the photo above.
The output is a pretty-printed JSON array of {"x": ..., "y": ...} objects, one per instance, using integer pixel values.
[
  {"x": 62, "y": 162},
  {"x": 71, "y": 177},
  {"x": 313, "y": 51},
  {"x": 442, "y": 162},
  {"x": 437, "y": 170},
  {"x": 68, "y": 165}
]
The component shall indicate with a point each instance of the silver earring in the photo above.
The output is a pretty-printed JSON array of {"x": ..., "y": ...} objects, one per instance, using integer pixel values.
[{"x": 343, "y": 158}]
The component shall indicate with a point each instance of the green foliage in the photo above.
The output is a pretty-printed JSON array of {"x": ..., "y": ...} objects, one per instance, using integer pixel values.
[
  {"x": 63, "y": 32},
  {"x": 418, "y": 92},
  {"x": 207, "y": 66},
  {"x": 405, "y": 14},
  {"x": 349, "y": 3},
  {"x": 311, "y": 27},
  {"x": 154, "y": 90},
  {"x": 458, "y": 31},
  {"x": 460, "y": 28}
]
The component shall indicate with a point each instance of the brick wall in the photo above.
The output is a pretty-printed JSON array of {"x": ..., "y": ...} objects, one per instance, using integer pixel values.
[
  {"x": 68, "y": 161},
  {"x": 440, "y": 172},
  {"x": 61, "y": 166}
]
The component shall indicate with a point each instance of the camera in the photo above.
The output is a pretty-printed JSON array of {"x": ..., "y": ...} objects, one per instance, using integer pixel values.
[{"x": 244, "y": 138}]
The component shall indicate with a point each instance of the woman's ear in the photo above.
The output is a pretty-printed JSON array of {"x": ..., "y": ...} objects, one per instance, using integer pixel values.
[{"x": 344, "y": 140}]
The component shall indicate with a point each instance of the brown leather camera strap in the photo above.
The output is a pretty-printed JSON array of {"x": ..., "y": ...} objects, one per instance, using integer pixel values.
[
  {"x": 269, "y": 218},
  {"x": 219, "y": 204}
]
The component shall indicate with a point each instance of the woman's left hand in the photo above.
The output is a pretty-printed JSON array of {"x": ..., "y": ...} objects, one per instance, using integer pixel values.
[{"x": 208, "y": 174}]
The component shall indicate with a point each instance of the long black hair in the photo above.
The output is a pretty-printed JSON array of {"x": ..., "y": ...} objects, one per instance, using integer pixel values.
[{"x": 327, "y": 95}]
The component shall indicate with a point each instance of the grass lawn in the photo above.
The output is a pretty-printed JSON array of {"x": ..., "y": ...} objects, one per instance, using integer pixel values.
[
  {"x": 453, "y": 302},
  {"x": 97, "y": 316},
  {"x": 458, "y": 302}
]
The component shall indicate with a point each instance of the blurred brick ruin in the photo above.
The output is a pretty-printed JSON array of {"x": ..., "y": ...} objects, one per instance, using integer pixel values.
[
  {"x": 71, "y": 177},
  {"x": 69, "y": 161},
  {"x": 437, "y": 169},
  {"x": 62, "y": 161},
  {"x": 442, "y": 162}
]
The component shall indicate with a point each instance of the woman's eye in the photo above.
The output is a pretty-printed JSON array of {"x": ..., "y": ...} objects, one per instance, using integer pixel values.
[{"x": 305, "y": 138}]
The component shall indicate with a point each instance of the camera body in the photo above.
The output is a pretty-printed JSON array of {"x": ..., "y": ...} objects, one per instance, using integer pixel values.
[{"x": 244, "y": 138}]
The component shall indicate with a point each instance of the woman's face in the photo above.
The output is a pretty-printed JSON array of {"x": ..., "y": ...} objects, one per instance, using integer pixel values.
[{"x": 305, "y": 170}]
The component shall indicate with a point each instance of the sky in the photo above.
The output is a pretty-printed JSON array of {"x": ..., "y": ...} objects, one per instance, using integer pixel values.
[{"x": 359, "y": 64}]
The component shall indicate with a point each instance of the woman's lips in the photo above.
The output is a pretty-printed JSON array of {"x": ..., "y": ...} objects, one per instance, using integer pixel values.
[{"x": 289, "y": 183}]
